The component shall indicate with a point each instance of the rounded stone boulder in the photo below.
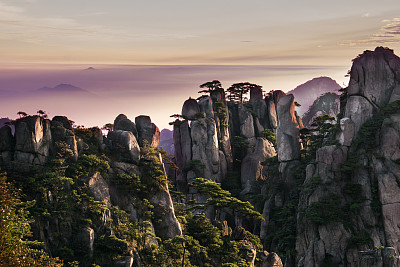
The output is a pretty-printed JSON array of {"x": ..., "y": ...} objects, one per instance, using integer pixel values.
[
  {"x": 125, "y": 145},
  {"x": 64, "y": 121},
  {"x": 190, "y": 109},
  {"x": 147, "y": 131},
  {"x": 122, "y": 123}
]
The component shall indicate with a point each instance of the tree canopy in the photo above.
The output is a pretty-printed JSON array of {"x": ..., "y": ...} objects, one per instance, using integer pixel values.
[
  {"x": 211, "y": 86},
  {"x": 237, "y": 91}
]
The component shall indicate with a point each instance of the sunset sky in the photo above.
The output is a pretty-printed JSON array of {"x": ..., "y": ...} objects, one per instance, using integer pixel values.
[{"x": 284, "y": 43}]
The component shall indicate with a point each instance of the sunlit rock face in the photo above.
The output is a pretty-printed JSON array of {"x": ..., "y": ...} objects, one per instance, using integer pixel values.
[{"x": 33, "y": 140}]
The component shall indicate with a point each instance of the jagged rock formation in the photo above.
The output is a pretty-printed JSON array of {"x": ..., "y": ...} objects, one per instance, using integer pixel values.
[
  {"x": 328, "y": 103},
  {"x": 212, "y": 128},
  {"x": 122, "y": 123},
  {"x": 32, "y": 140},
  {"x": 227, "y": 137},
  {"x": 251, "y": 170},
  {"x": 306, "y": 93},
  {"x": 351, "y": 210},
  {"x": 147, "y": 131}
]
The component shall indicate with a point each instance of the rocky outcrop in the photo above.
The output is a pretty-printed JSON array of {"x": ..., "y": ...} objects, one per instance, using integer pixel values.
[
  {"x": 190, "y": 109},
  {"x": 355, "y": 185},
  {"x": 328, "y": 103},
  {"x": 124, "y": 146},
  {"x": 251, "y": 169},
  {"x": 374, "y": 82},
  {"x": 7, "y": 144},
  {"x": 98, "y": 187},
  {"x": 33, "y": 140},
  {"x": 85, "y": 241},
  {"x": 122, "y": 123},
  {"x": 287, "y": 132},
  {"x": 147, "y": 131},
  {"x": 61, "y": 130},
  {"x": 268, "y": 260},
  {"x": 205, "y": 148}
]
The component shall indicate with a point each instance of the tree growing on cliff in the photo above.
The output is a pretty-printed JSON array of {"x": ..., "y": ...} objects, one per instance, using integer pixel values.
[
  {"x": 237, "y": 91},
  {"x": 15, "y": 250},
  {"x": 214, "y": 85},
  {"x": 220, "y": 199}
]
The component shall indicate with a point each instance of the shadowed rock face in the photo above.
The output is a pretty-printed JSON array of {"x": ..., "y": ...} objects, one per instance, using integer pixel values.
[
  {"x": 125, "y": 145},
  {"x": 287, "y": 132},
  {"x": 147, "y": 131},
  {"x": 190, "y": 109},
  {"x": 251, "y": 169},
  {"x": 7, "y": 144},
  {"x": 122, "y": 123},
  {"x": 62, "y": 132}
]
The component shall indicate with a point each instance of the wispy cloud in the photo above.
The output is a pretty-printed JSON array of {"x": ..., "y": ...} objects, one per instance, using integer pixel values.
[
  {"x": 388, "y": 34},
  {"x": 17, "y": 25}
]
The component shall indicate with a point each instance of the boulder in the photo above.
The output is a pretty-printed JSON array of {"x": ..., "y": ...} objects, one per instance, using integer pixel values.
[
  {"x": 124, "y": 146},
  {"x": 147, "y": 131},
  {"x": 98, "y": 187},
  {"x": 122, "y": 123},
  {"x": 268, "y": 260},
  {"x": 190, "y": 109}
]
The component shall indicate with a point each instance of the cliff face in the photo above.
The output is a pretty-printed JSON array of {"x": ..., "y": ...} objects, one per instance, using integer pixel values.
[{"x": 350, "y": 214}]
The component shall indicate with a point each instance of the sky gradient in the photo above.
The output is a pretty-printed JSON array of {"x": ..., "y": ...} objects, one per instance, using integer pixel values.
[{"x": 278, "y": 44}]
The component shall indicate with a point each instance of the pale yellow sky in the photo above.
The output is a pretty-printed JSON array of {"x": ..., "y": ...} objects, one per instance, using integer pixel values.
[{"x": 195, "y": 32}]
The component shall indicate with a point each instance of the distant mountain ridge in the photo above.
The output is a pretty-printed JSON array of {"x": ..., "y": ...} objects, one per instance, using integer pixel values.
[
  {"x": 62, "y": 88},
  {"x": 306, "y": 93}
]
